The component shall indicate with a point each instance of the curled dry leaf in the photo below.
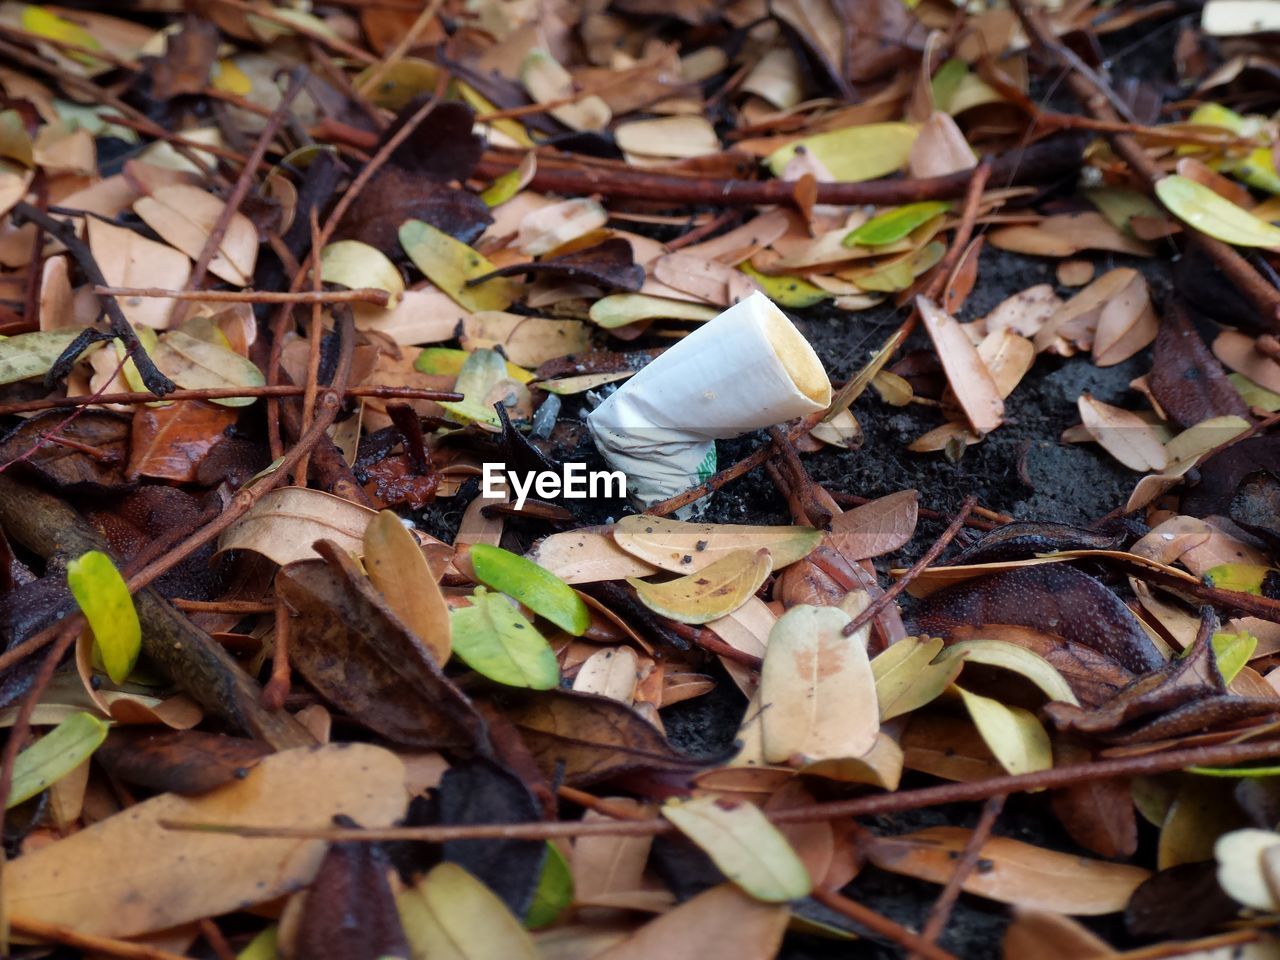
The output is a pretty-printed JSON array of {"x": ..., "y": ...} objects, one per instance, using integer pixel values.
[
  {"x": 127, "y": 875},
  {"x": 1123, "y": 434},
  {"x": 284, "y": 524},
  {"x": 969, "y": 377},
  {"x": 184, "y": 216},
  {"x": 817, "y": 698},
  {"x": 713, "y": 592},
  {"x": 940, "y": 149},
  {"x": 1241, "y": 354},
  {"x": 1014, "y": 872}
]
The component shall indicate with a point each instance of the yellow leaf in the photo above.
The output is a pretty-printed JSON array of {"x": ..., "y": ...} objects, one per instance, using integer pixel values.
[
  {"x": 354, "y": 265},
  {"x": 853, "y": 154},
  {"x": 715, "y": 591},
  {"x": 450, "y": 264},
  {"x": 450, "y": 915},
  {"x": 1210, "y": 213},
  {"x": 689, "y": 547},
  {"x": 396, "y": 565},
  {"x": 1014, "y": 735}
]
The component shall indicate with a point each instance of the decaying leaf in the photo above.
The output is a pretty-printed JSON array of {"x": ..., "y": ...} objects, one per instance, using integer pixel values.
[
  {"x": 690, "y": 547},
  {"x": 286, "y": 522}
]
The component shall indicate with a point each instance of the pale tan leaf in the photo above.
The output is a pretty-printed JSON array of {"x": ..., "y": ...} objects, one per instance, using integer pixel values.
[
  {"x": 550, "y": 227},
  {"x": 611, "y": 673},
  {"x": 546, "y": 80},
  {"x": 57, "y": 309},
  {"x": 683, "y": 547},
  {"x": 1123, "y": 434},
  {"x": 284, "y": 524},
  {"x": 1077, "y": 319},
  {"x": 940, "y": 149},
  {"x": 968, "y": 376},
  {"x": 184, "y": 216},
  {"x": 1065, "y": 235},
  {"x": 1241, "y": 873},
  {"x": 1041, "y": 935},
  {"x": 527, "y": 341},
  {"x": 450, "y": 915},
  {"x": 1014, "y": 872},
  {"x": 1020, "y": 660},
  {"x": 1026, "y": 312},
  {"x": 195, "y": 364},
  {"x": 709, "y": 280},
  {"x": 398, "y": 568},
  {"x": 817, "y": 692},
  {"x": 129, "y": 260},
  {"x": 876, "y": 528},
  {"x": 722, "y": 923},
  {"x": 1008, "y": 357},
  {"x": 1239, "y": 352},
  {"x": 679, "y": 136},
  {"x": 1126, "y": 324},
  {"x": 127, "y": 875},
  {"x": 714, "y": 591},
  {"x": 421, "y": 316}
]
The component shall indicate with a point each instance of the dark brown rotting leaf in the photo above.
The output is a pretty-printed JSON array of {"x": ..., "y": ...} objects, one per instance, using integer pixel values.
[
  {"x": 1256, "y": 506},
  {"x": 350, "y": 912},
  {"x": 584, "y": 738},
  {"x": 609, "y": 265},
  {"x": 1181, "y": 902},
  {"x": 1026, "y": 538},
  {"x": 394, "y": 481},
  {"x": 480, "y": 791},
  {"x": 1052, "y": 598},
  {"x": 395, "y": 195},
  {"x": 1222, "y": 474},
  {"x": 171, "y": 442},
  {"x": 90, "y": 458},
  {"x": 356, "y": 653},
  {"x": 178, "y": 761},
  {"x": 1186, "y": 378},
  {"x": 189, "y": 55},
  {"x": 597, "y": 361},
  {"x": 443, "y": 148},
  {"x": 409, "y": 424},
  {"x": 1198, "y": 716}
]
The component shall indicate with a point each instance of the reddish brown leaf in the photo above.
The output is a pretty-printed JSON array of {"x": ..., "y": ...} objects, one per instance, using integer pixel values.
[
  {"x": 171, "y": 442},
  {"x": 1186, "y": 379},
  {"x": 179, "y": 761}
]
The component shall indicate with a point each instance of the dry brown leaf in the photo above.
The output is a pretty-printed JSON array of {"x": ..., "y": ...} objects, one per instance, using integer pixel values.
[
  {"x": 709, "y": 280},
  {"x": 722, "y": 923},
  {"x": 1008, "y": 357},
  {"x": 425, "y": 315},
  {"x": 611, "y": 673},
  {"x": 1026, "y": 312},
  {"x": 587, "y": 556},
  {"x": 1041, "y": 935},
  {"x": 129, "y": 260},
  {"x": 127, "y": 875},
  {"x": 1240, "y": 353},
  {"x": 284, "y": 524},
  {"x": 526, "y": 341},
  {"x": 1126, "y": 324},
  {"x": 941, "y": 148},
  {"x": 184, "y": 216},
  {"x": 1123, "y": 434},
  {"x": 1014, "y": 872},
  {"x": 1065, "y": 235},
  {"x": 678, "y": 136},
  {"x": 969, "y": 377},
  {"x": 876, "y": 528},
  {"x": 398, "y": 568}
]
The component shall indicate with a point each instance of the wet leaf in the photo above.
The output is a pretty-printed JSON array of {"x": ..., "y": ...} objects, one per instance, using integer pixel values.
[
  {"x": 187, "y": 762},
  {"x": 356, "y": 653},
  {"x": 817, "y": 692},
  {"x": 449, "y": 264},
  {"x": 907, "y": 677},
  {"x": 541, "y": 591},
  {"x": 1014, "y": 872},
  {"x": 493, "y": 639},
  {"x": 690, "y": 547},
  {"x": 32, "y": 354},
  {"x": 171, "y": 442},
  {"x": 1186, "y": 379},
  {"x": 54, "y": 755},
  {"x": 349, "y": 911},
  {"x": 1013, "y": 734},
  {"x": 1098, "y": 814},
  {"x": 198, "y": 364},
  {"x": 786, "y": 290},
  {"x": 398, "y": 568},
  {"x": 354, "y": 265},
  {"x": 714, "y": 591},
  {"x": 1020, "y": 660},
  {"x": 104, "y": 599},
  {"x": 1210, "y": 213},
  {"x": 892, "y": 225},
  {"x": 127, "y": 875},
  {"x": 620, "y": 309}
]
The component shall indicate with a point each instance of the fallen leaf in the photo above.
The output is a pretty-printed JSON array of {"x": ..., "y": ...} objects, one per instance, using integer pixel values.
[
  {"x": 817, "y": 691},
  {"x": 546, "y": 81},
  {"x": 398, "y": 568},
  {"x": 1186, "y": 379},
  {"x": 1014, "y": 872},
  {"x": 893, "y": 225},
  {"x": 195, "y": 364},
  {"x": 54, "y": 755},
  {"x": 493, "y": 639},
  {"x": 553, "y": 226},
  {"x": 722, "y": 923},
  {"x": 1065, "y": 235},
  {"x": 714, "y": 591},
  {"x": 969, "y": 377},
  {"x": 907, "y": 677},
  {"x": 450, "y": 264},
  {"x": 171, "y": 442},
  {"x": 536, "y": 588},
  {"x": 1123, "y": 434},
  {"x": 853, "y": 154},
  {"x": 32, "y": 354},
  {"x": 587, "y": 556},
  {"x": 1013, "y": 734},
  {"x": 876, "y": 528},
  {"x": 1210, "y": 213},
  {"x": 527, "y": 341},
  {"x": 127, "y": 875},
  {"x": 683, "y": 547},
  {"x": 351, "y": 882},
  {"x": 187, "y": 762},
  {"x": 185, "y": 216},
  {"x": 105, "y": 601},
  {"x": 355, "y": 265},
  {"x": 284, "y": 524},
  {"x": 450, "y": 914},
  {"x": 1018, "y": 659},
  {"x": 1247, "y": 860}
]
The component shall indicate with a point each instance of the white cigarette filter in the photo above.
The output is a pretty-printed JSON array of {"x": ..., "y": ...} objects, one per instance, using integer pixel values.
[{"x": 747, "y": 369}]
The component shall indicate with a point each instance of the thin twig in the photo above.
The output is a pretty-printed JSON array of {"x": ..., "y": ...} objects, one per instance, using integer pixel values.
[
  {"x": 90, "y": 943},
  {"x": 379, "y": 298},
  {"x": 940, "y": 912},
  {"x": 277, "y": 688},
  {"x": 932, "y": 554}
]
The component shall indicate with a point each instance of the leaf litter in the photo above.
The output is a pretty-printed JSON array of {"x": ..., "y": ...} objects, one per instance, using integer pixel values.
[{"x": 284, "y": 284}]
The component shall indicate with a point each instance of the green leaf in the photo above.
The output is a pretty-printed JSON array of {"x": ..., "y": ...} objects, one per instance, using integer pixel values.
[
  {"x": 32, "y": 354},
  {"x": 449, "y": 264},
  {"x": 493, "y": 639},
  {"x": 1253, "y": 394},
  {"x": 104, "y": 599},
  {"x": 619, "y": 309},
  {"x": 1240, "y": 577},
  {"x": 747, "y": 848},
  {"x": 1012, "y": 734},
  {"x": 893, "y": 225},
  {"x": 480, "y": 374},
  {"x": 853, "y": 154},
  {"x": 1210, "y": 213},
  {"x": 786, "y": 290},
  {"x": 449, "y": 361},
  {"x": 907, "y": 678},
  {"x": 554, "y": 892},
  {"x": 540, "y": 590},
  {"x": 450, "y": 915},
  {"x": 54, "y": 755},
  {"x": 1233, "y": 651},
  {"x": 353, "y": 264},
  {"x": 1120, "y": 205},
  {"x": 946, "y": 81},
  {"x": 263, "y": 946},
  {"x": 195, "y": 364}
]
